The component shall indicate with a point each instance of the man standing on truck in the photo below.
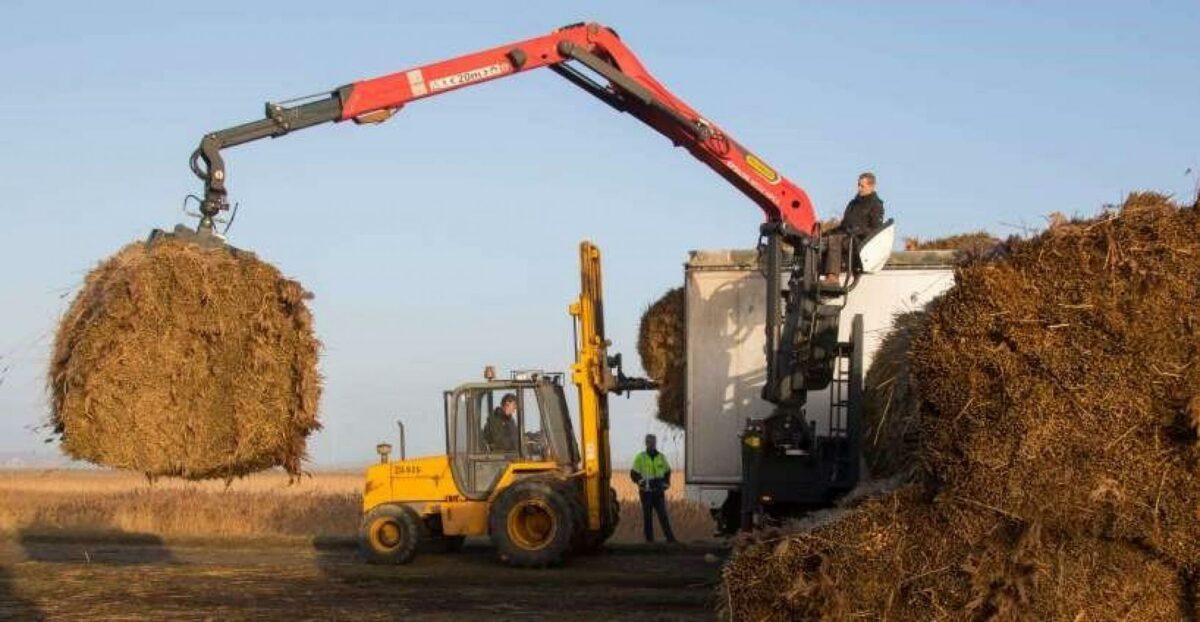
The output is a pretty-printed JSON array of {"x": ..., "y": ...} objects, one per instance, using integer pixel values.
[
  {"x": 864, "y": 216},
  {"x": 652, "y": 475}
]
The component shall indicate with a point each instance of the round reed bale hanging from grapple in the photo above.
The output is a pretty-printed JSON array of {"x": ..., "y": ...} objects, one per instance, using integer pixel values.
[
  {"x": 178, "y": 360},
  {"x": 662, "y": 346}
]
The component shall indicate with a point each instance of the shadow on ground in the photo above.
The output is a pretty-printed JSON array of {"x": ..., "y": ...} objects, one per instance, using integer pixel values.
[
  {"x": 622, "y": 581},
  {"x": 13, "y": 607},
  {"x": 114, "y": 547}
]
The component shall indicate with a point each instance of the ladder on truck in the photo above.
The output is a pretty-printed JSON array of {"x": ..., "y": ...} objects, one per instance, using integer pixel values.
[{"x": 846, "y": 423}]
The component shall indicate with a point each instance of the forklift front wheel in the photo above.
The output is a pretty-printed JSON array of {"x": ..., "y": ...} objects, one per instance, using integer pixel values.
[
  {"x": 532, "y": 524},
  {"x": 389, "y": 534},
  {"x": 593, "y": 542}
]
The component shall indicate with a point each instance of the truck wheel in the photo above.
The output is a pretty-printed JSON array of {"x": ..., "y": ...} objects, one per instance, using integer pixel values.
[
  {"x": 729, "y": 515},
  {"x": 390, "y": 534},
  {"x": 532, "y": 524}
]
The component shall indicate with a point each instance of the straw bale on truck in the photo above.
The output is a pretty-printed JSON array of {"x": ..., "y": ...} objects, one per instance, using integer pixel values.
[
  {"x": 177, "y": 360},
  {"x": 1055, "y": 393},
  {"x": 662, "y": 346}
]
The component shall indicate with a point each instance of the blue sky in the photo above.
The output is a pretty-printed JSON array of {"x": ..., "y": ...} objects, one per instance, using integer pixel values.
[{"x": 445, "y": 239}]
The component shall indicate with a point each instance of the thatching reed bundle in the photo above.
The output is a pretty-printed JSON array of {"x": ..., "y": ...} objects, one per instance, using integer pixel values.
[
  {"x": 904, "y": 557},
  {"x": 1062, "y": 382},
  {"x": 662, "y": 346},
  {"x": 177, "y": 360},
  {"x": 1057, "y": 458}
]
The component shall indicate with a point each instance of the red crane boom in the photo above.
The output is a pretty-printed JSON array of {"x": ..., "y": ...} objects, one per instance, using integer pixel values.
[{"x": 627, "y": 86}]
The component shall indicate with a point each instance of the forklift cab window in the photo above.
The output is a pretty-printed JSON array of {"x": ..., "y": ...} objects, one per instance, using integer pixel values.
[
  {"x": 487, "y": 436},
  {"x": 533, "y": 439},
  {"x": 461, "y": 434}
]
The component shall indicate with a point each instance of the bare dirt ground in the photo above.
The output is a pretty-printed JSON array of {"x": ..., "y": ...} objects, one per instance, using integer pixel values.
[{"x": 138, "y": 577}]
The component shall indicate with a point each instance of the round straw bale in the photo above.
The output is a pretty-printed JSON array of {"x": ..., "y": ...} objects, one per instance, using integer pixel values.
[
  {"x": 662, "y": 346},
  {"x": 177, "y": 360}
]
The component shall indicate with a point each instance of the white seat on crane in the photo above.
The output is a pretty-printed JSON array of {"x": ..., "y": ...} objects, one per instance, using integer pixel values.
[{"x": 877, "y": 248}]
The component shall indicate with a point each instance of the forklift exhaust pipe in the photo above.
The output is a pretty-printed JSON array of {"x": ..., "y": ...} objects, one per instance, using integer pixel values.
[{"x": 403, "y": 453}]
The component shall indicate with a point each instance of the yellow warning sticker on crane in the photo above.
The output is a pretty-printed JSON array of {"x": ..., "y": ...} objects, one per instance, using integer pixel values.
[{"x": 763, "y": 169}]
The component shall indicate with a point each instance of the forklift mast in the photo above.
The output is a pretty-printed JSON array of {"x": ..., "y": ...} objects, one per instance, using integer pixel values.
[{"x": 592, "y": 374}]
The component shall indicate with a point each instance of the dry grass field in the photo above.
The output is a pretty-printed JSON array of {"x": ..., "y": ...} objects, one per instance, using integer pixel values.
[
  {"x": 326, "y": 505},
  {"x": 87, "y": 545}
]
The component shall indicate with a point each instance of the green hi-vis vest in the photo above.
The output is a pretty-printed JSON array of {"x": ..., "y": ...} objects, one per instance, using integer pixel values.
[{"x": 649, "y": 467}]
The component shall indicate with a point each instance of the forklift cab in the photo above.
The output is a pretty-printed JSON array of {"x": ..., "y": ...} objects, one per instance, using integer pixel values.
[{"x": 543, "y": 437}]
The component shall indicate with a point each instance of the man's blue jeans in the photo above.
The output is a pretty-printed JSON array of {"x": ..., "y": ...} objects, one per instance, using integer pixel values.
[{"x": 655, "y": 501}]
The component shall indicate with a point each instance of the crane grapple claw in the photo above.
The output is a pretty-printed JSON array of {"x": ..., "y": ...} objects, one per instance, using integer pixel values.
[{"x": 204, "y": 238}]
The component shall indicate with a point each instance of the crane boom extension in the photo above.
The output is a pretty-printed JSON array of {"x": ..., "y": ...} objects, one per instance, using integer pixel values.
[{"x": 629, "y": 88}]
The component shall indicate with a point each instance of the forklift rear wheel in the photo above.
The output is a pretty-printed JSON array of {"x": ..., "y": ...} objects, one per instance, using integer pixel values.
[
  {"x": 532, "y": 524},
  {"x": 389, "y": 534}
]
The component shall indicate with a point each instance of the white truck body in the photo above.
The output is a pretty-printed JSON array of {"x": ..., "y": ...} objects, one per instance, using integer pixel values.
[{"x": 726, "y": 365}]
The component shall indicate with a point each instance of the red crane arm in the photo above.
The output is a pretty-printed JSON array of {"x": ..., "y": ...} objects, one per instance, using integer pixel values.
[
  {"x": 626, "y": 86},
  {"x": 799, "y": 324}
]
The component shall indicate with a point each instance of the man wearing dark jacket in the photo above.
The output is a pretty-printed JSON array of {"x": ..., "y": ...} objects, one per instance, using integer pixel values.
[
  {"x": 500, "y": 432},
  {"x": 864, "y": 216}
]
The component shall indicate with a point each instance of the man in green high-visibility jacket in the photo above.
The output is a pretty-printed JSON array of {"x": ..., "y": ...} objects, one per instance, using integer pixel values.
[{"x": 652, "y": 475}]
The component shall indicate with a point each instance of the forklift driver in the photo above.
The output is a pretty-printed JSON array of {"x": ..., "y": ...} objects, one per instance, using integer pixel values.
[{"x": 500, "y": 432}]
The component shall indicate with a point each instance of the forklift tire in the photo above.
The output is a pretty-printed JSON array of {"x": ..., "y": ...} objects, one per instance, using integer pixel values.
[
  {"x": 594, "y": 542},
  {"x": 574, "y": 494},
  {"x": 588, "y": 542},
  {"x": 616, "y": 515},
  {"x": 532, "y": 524},
  {"x": 390, "y": 534}
]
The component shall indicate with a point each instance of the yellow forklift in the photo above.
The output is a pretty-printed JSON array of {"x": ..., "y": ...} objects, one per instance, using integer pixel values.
[{"x": 536, "y": 495}]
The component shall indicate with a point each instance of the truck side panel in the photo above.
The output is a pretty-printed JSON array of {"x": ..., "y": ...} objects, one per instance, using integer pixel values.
[{"x": 725, "y": 360}]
